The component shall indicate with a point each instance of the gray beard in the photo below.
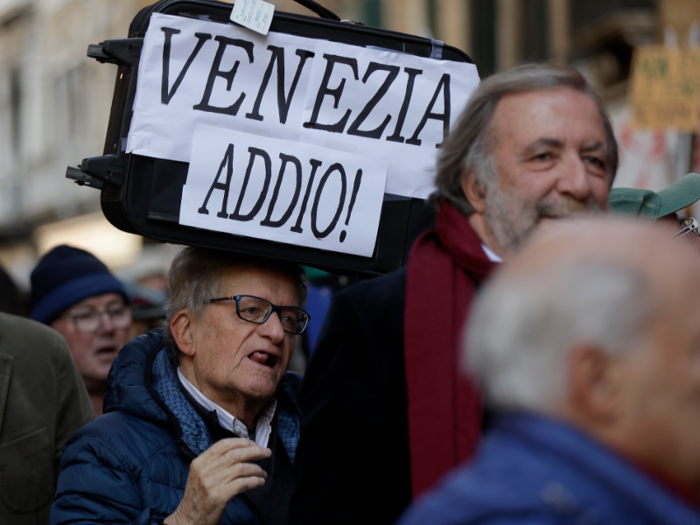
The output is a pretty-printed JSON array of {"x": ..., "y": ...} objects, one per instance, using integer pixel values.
[{"x": 512, "y": 220}]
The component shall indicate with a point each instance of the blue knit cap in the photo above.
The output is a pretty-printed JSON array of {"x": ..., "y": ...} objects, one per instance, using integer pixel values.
[{"x": 64, "y": 277}]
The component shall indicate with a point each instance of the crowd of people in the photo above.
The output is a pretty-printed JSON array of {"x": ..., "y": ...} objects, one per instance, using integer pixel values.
[{"x": 536, "y": 360}]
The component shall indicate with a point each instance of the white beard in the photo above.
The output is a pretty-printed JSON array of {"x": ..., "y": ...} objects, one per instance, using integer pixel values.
[{"x": 513, "y": 220}]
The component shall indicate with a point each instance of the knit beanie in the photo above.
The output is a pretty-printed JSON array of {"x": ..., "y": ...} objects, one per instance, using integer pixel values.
[{"x": 64, "y": 277}]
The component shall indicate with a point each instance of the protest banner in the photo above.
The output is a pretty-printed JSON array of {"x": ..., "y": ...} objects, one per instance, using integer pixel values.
[
  {"x": 283, "y": 191},
  {"x": 382, "y": 104},
  {"x": 665, "y": 88}
]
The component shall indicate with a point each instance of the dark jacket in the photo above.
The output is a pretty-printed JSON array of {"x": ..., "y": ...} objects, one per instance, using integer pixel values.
[
  {"x": 531, "y": 469},
  {"x": 131, "y": 464},
  {"x": 353, "y": 462},
  {"x": 43, "y": 401}
]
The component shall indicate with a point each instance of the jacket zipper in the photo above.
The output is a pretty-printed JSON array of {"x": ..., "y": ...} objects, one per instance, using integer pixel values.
[{"x": 252, "y": 506}]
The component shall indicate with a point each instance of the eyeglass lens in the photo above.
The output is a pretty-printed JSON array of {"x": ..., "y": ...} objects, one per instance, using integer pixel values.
[
  {"x": 90, "y": 320},
  {"x": 257, "y": 310}
]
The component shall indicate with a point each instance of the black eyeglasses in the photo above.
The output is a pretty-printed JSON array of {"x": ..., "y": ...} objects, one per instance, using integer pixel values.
[{"x": 258, "y": 310}]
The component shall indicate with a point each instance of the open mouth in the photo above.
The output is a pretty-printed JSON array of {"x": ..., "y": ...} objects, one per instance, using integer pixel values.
[
  {"x": 106, "y": 350},
  {"x": 264, "y": 358}
]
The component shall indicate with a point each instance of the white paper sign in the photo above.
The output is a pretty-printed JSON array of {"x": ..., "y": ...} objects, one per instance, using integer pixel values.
[
  {"x": 253, "y": 14},
  {"x": 382, "y": 104},
  {"x": 283, "y": 191}
]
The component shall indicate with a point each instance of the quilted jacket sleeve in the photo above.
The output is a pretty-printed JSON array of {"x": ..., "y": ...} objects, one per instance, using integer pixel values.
[{"x": 95, "y": 487}]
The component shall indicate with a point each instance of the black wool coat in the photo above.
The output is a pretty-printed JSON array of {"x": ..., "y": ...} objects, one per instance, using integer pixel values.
[{"x": 352, "y": 464}]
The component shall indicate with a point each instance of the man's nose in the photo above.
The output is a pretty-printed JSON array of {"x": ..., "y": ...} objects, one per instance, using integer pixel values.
[
  {"x": 574, "y": 179},
  {"x": 106, "y": 322},
  {"x": 272, "y": 328}
]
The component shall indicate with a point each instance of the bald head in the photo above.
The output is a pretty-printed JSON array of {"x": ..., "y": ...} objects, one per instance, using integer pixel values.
[
  {"x": 629, "y": 243},
  {"x": 597, "y": 322}
]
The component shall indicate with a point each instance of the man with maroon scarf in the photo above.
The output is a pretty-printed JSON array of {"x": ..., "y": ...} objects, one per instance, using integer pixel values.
[{"x": 386, "y": 412}]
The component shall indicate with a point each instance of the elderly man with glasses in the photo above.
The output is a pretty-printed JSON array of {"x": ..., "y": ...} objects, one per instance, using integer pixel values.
[
  {"x": 201, "y": 422},
  {"x": 75, "y": 294}
]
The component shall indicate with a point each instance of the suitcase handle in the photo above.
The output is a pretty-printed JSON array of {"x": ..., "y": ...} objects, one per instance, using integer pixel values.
[{"x": 317, "y": 8}]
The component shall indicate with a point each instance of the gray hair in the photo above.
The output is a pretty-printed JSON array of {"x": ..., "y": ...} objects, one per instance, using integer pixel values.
[
  {"x": 196, "y": 276},
  {"x": 523, "y": 327},
  {"x": 467, "y": 150}
]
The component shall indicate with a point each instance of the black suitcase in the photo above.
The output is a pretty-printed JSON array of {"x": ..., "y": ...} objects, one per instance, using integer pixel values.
[{"x": 142, "y": 195}]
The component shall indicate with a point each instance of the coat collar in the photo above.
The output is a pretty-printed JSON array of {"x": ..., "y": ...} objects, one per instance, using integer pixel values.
[
  {"x": 583, "y": 454},
  {"x": 143, "y": 382}
]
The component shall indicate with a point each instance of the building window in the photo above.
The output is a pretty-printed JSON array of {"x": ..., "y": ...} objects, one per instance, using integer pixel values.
[
  {"x": 534, "y": 31},
  {"x": 16, "y": 109},
  {"x": 483, "y": 35},
  {"x": 372, "y": 13},
  {"x": 71, "y": 106},
  {"x": 433, "y": 24}
]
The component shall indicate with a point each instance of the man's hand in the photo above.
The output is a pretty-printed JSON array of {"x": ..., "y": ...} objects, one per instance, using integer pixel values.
[{"x": 216, "y": 476}]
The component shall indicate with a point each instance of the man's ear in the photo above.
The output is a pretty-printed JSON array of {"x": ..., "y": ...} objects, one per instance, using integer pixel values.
[
  {"x": 595, "y": 384},
  {"x": 182, "y": 328},
  {"x": 475, "y": 192}
]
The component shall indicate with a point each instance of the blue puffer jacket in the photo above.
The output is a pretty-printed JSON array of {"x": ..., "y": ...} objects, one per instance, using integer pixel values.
[
  {"x": 532, "y": 470},
  {"x": 131, "y": 464}
]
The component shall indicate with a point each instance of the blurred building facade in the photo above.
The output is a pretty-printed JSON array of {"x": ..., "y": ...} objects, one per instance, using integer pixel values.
[
  {"x": 54, "y": 102},
  {"x": 54, "y": 107}
]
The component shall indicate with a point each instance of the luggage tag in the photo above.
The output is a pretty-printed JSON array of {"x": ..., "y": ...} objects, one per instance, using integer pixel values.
[{"x": 253, "y": 14}]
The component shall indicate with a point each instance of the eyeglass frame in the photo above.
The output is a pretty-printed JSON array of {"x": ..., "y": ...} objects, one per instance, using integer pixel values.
[
  {"x": 273, "y": 308},
  {"x": 74, "y": 314},
  {"x": 688, "y": 225}
]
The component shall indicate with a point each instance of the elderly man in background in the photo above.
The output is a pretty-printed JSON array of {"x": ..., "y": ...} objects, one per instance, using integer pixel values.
[
  {"x": 75, "y": 294},
  {"x": 201, "y": 425},
  {"x": 382, "y": 397},
  {"x": 586, "y": 347}
]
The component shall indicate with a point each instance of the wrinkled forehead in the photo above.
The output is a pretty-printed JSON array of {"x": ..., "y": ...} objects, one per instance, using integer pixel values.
[
  {"x": 561, "y": 113},
  {"x": 646, "y": 248},
  {"x": 267, "y": 282}
]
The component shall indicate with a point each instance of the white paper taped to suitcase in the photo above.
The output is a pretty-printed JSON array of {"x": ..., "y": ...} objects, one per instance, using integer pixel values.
[
  {"x": 381, "y": 104},
  {"x": 283, "y": 191}
]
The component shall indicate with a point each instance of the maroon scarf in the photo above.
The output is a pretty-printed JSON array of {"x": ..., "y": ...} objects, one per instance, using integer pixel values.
[{"x": 444, "y": 409}]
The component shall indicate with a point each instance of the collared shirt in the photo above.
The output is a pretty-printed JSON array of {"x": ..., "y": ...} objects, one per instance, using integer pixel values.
[
  {"x": 263, "y": 426},
  {"x": 491, "y": 255}
]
